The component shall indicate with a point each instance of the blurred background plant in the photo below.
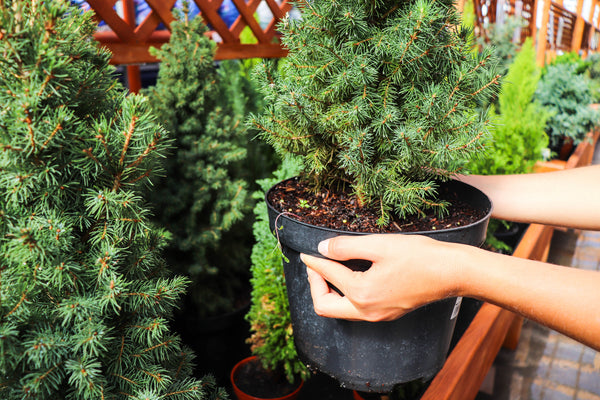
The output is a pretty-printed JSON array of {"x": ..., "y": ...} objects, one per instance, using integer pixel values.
[
  {"x": 269, "y": 315},
  {"x": 518, "y": 137},
  {"x": 566, "y": 91}
]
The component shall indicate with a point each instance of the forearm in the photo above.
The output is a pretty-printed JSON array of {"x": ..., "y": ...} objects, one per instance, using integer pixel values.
[
  {"x": 564, "y": 299},
  {"x": 568, "y": 198}
]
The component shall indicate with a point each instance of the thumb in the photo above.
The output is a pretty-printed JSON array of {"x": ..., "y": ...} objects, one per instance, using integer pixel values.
[{"x": 342, "y": 248}]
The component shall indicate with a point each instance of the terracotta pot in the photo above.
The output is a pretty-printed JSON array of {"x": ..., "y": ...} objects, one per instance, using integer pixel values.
[{"x": 241, "y": 395}]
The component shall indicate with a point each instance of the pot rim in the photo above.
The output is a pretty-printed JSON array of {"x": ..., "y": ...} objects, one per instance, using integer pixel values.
[
  {"x": 246, "y": 360},
  {"x": 279, "y": 214}
]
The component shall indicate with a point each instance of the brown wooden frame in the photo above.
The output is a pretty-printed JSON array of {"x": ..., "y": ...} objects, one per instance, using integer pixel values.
[{"x": 130, "y": 43}]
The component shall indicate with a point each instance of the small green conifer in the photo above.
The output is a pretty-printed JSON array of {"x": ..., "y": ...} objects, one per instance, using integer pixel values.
[
  {"x": 378, "y": 96},
  {"x": 85, "y": 297},
  {"x": 203, "y": 194},
  {"x": 272, "y": 339}
]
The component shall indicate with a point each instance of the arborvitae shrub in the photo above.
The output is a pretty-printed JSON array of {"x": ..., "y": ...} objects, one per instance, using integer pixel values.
[
  {"x": 379, "y": 97},
  {"x": 518, "y": 138},
  {"x": 272, "y": 337},
  {"x": 85, "y": 297}
]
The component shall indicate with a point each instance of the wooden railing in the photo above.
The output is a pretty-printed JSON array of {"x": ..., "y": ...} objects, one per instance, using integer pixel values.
[
  {"x": 562, "y": 29},
  {"x": 129, "y": 41},
  {"x": 561, "y": 26}
]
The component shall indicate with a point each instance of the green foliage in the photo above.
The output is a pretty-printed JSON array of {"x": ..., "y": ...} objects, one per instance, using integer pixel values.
[
  {"x": 269, "y": 315},
  {"x": 593, "y": 73},
  {"x": 84, "y": 293},
  {"x": 518, "y": 136},
  {"x": 378, "y": 96},
  {"x": 567, "y": 95},
  {"x": 572, "y": 57},
  {"x": 501, "y": 38},
  {"x": 203, "y": 199}
]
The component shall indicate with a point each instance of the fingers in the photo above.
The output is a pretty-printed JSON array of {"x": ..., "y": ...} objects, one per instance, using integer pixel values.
[
  {"x": 332, "y": 271},
  {"x": 328, "y": 303}
]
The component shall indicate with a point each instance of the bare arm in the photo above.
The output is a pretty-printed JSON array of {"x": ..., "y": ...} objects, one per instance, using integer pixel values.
[
  {"x": 410, "y": 271},
  {"x": 569, "y": 198}
]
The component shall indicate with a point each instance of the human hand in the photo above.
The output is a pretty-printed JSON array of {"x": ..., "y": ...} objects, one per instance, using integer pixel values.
[{"x": 408, "y": 271}]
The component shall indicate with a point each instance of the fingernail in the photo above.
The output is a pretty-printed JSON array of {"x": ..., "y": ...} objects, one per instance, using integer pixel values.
[{"x": 324, "y": 247}]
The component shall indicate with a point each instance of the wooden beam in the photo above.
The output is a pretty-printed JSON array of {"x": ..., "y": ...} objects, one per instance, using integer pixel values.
[
  {"x": 542, "y": 34},
  {"x": 578, "y": 29},
  {"x": 468, "y": 364}
]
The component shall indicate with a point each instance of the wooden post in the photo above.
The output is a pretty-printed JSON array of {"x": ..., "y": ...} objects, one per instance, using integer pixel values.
[
  {"x": 578, "y": 29},
  {"x": 542, "y": 34},
  {"x": 133, "y": 71}
]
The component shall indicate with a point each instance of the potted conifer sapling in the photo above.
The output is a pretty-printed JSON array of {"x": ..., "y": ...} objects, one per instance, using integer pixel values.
[{"x": 378, "y": 99}]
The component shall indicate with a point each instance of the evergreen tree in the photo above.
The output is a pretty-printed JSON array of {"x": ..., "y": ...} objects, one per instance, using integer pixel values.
[
  {"x": 518, "y": 136},
  {"x": 84, "y": 294},
  {"x": 378, "y": 95},
  {"x": 203, "y": 194}
]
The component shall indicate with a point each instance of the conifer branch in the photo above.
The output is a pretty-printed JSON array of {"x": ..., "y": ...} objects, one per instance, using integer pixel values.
[
  {"x": 128, "y": 136},
  {"x": 166, "y": 343},
  {"x": 56, "y": 129},
  {"x": 190, "y": 390},
  {"x": 151, "y": 147},
  {"x": 88, "y": 152},
  {"x": 494, "y": 81},
  {"x": 130, "y": 381},
  {"x": 100, "y": 136},
  {"x": 23, "y": 298}
]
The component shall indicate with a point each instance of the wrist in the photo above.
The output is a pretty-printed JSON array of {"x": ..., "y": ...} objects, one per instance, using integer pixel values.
[{"x": 458, "y": 260}]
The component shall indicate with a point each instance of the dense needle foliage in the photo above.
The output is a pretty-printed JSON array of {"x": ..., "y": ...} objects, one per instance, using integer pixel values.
[
  {"x": 85, "y": 296},
  {"x": 203, "y": 194},
  {"x": 378, "y": 96}
]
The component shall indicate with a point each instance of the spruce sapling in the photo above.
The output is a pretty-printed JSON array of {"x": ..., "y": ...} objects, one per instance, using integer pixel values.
[
  {"x": 379, "y": 97},
  {"x": 85, "y": 296},
  {"x": 203, "y": 195}
]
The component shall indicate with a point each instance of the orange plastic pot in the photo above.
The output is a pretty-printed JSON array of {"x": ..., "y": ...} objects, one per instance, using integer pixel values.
[{"x": 241, "y": 395}]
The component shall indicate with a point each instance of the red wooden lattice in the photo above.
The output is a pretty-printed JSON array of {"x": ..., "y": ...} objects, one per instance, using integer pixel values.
[{"x": 130, "y": 43}]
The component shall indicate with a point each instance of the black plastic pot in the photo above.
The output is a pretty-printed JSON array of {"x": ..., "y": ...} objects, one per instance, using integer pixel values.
[
  {"x": 511, "y": 235},
  {"x": 368, "y": 356}
]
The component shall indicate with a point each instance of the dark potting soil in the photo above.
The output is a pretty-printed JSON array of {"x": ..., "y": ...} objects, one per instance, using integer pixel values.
[
  {"x": 253, "y": 379},
  {"x": 341, "y": 210}
]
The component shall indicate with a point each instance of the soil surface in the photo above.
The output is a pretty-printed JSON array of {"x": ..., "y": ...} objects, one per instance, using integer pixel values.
[
  {"x": 253, "y": 379},
  {"x": 341, "y": 210}
]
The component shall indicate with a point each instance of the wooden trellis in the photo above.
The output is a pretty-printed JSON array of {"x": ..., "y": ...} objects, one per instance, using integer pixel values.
[
  {"x": 129, "y": 42},
  {"x": 562, "y": 29},
  {"x": 487, "y": 11}
]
